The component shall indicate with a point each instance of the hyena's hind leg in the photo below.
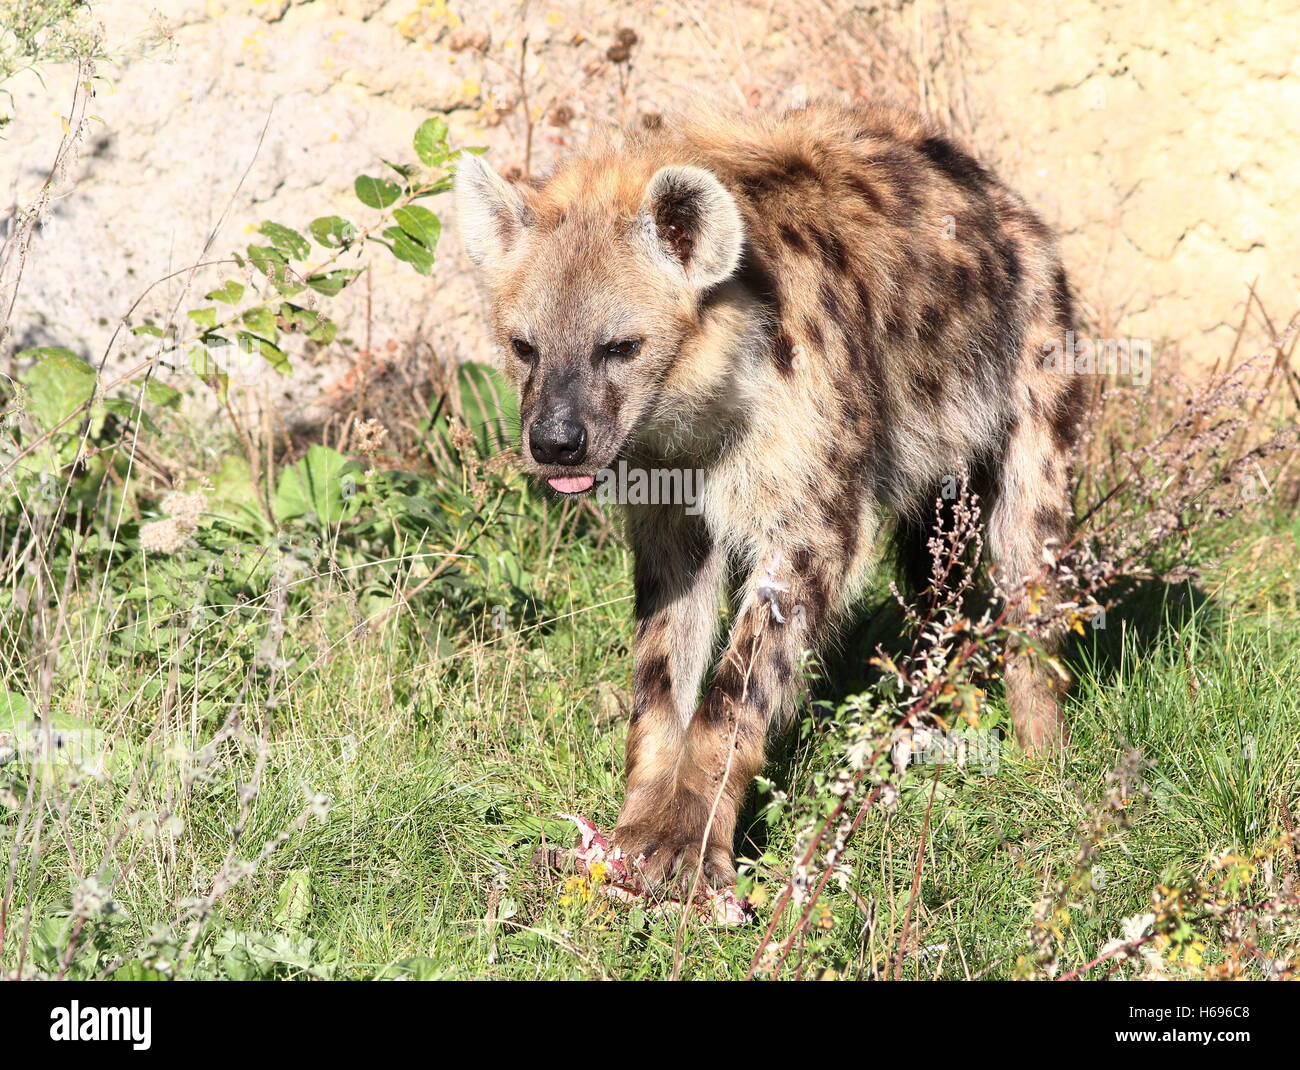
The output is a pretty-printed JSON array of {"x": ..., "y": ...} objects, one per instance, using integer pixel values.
[{"x": 1032, "y": 506}]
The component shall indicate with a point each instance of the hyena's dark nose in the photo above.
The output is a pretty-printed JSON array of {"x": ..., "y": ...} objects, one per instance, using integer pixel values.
[{"x": 557, "y": 440}]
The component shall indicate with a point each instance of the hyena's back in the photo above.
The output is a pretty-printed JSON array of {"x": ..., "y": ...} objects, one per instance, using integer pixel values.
[{"x": 927, "y": 288}]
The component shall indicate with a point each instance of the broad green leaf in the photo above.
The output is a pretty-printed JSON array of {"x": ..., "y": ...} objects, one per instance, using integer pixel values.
[
  {"x": 317, "y": 327},
  {"x": 149, "y": 329},
  {"x": 272, "y": 263},
  {"x": 204, "y": 317},
  {"x": 376, "y": 192},
  {"x": 420, "y": 223},
  {"x": 332, "y": 282},
  {"x": 430, "y": 141},
  {"x": 286, "y": 239},
  {"x": 270, "y": 352},
  {"x": 405, "y": 248},
  {"x": 322, "y": 485},
  {"x": 294, "y": 902},
  {"x": 60, "y": 382},
  {"x": 261, "y": 320},
  {"x": 162, "y": 394},
  {"x": 228, "y": 293},
  {"x": 234, "y": 497},
  {"x": 333, "y": 232},
  {"x": 129, "y": 410}
]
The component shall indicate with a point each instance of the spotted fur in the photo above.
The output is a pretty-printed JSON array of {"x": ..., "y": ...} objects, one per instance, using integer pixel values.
[{"x": 833, "y": 311}]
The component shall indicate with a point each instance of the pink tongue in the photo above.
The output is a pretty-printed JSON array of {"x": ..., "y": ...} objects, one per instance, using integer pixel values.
[{"x": 572, "y": 484}]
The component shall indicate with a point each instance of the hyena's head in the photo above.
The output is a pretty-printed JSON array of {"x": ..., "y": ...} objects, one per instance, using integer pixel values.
[{"x": 595, "y": 279}]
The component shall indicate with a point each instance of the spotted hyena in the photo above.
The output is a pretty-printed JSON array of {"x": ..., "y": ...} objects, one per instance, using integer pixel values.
[{"x": 829, "y": 313}]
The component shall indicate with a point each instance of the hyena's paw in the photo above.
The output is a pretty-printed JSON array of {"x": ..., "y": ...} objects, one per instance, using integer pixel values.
[{"x": 667, "y": 858}]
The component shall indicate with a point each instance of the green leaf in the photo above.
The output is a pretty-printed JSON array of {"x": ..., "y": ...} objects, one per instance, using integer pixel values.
[
  {"x": 317, "y": 327},
  {"x": 129, "y": 410},
  {"x": 204, "y": 317},
  {"x": 405, "y": 248},
  {"x": 322, "y": 485},
  {"x": 229, "y": 293},
  {"x": 161, "y": 394},
  {"x": 149, "y": 329},
  {"x": 234, "y": 497},
  {"x": 294, "y": 903},
  {"x": 270, "y": 352},
  {"x": 60, "y": 382},
  {"x": 420, "y": 224},
  {"x": 376, "y": 192},
  {"x": 272, "y": 263},
  {"x": 332, "y": 282},
  {"x": 261, "y": 320},
  {"x": 406, "y": 170},
  {"x": 333, "y": 232},
  {"x": 287, "y": 240},
  {"x": 430, "y": 141}
]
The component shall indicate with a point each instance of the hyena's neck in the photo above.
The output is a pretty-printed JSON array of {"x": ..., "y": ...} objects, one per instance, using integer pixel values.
[{"x": 705, "y": 401}]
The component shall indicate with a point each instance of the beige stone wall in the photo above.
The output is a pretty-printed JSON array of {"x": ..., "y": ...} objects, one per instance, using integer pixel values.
[{"x": 1159, "y": 137}]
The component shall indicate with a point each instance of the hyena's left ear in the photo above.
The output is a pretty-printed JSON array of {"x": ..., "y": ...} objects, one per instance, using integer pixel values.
[
  {"x": 490, "y": 211},
  {"x": 691, "y": 225}
]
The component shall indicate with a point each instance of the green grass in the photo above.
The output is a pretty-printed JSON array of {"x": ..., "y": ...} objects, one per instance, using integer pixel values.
[{"x": 447, "y": 756}]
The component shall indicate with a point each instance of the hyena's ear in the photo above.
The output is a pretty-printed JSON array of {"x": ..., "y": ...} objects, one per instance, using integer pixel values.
[
  {"x": 491, "y": 212},
  {"x": 691, "y": 225}
]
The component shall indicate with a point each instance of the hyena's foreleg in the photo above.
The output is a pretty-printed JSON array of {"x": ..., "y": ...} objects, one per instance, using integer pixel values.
[
  {"x": 678, "y": 585},
  {"x": 1032, "y": 506},
  {"x": 684, "y": 820}
]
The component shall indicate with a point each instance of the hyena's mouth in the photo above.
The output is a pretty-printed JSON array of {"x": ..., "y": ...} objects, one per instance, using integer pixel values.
[{"x": 571, "y": 484}]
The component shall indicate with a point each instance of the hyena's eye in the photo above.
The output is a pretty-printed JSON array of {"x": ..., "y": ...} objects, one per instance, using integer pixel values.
[
  {"x": 626, "y": 348},
  {"x": 522, "y": 349}
]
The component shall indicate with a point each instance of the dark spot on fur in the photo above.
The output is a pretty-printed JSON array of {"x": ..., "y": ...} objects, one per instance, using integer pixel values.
[
  {"x": 783, "y": 353},
  {"x": 791, "y": 236},
  {"x": 866, "y": 191},
  {"x": 831, "y": 248},
  {"x": 897, "y": 169},
  {"x": 1050, "y": 521},
  {"x": 1065, "y": 414},
  {"x": 928, "y": 385},
  {"x": 781, "y": 668},
  {"x": 1062, "y": 304},
  {"x": 957, "y": 165},
  {"x": 814, "y": 332},
  {"x": 830, "y": 300},
  {"x": 961, "y": 283},
  {"x": 931, "y": 328},
  {"x": 795, "y": 168},
  {"x": 754, "y": 275}
]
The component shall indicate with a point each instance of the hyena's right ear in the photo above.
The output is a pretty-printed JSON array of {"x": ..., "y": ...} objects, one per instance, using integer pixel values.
[
  {"x": 491, "y": 211},
  {"x": 690, "y": 224}
]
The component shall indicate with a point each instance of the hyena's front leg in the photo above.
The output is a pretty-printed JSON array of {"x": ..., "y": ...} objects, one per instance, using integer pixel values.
[
  {"x": 683, "y": 820},
  {"x": 678, "y": 580}
]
